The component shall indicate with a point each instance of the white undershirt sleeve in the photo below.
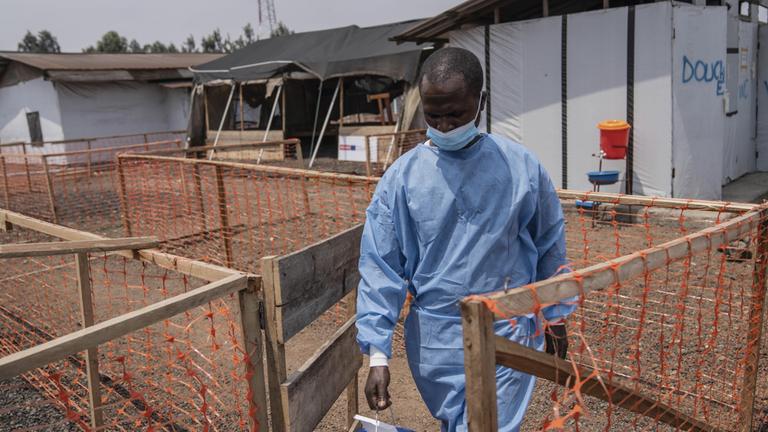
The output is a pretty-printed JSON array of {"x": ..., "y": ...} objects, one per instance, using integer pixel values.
[{"x": 377, "y": 358}]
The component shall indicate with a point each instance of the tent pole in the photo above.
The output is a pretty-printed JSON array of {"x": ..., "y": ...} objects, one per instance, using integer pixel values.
[
  {"x": 317, "y": 114},
  {"x": 325, "y": 123},
  {"x": 242, "y": 120},
  {"x": 269, "y": 123},
  {"x": 223, "y": 117},
  {"x": 189, "y": 116}
]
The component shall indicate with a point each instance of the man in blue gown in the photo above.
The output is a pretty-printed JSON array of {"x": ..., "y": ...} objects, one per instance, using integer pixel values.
[{"x": 464, "y": 213}]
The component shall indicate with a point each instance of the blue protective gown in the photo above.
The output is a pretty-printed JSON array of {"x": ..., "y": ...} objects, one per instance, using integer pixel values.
[{"x": 444, "y": 225}]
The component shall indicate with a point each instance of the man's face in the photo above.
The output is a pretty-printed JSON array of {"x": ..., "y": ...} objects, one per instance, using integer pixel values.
[{"x": 447, "y": 104}]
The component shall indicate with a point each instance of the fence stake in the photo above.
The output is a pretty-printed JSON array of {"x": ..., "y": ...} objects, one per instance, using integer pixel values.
[
  {"x": 199, "y": 192},
  {"x": 367, "y": 156},
  {"x": 248, "y": 300},
  {"x": 6, "y": 193},
  {"x": 754, "y": 333},
  {"x": 352, "y": 390},
  {"x": 26, "y": 166},
  {"x": 276, "y": 369},
  {"x": 123, "y": 197},
  {"x": 49, "y": 183},
  {"x": 184, "y": 192},
  {"x": 90, "y": 158},
  {"x": 91, "y": 354},
  {"x": 479, "y": 367},
  {"x": 221, "y": 195}
]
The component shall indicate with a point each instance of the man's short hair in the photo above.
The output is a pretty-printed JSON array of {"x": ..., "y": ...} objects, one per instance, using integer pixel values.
[{"x": 446, "y": 63}]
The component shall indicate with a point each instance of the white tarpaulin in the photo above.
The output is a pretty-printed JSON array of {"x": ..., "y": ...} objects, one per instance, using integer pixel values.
[
  {"x": 653, "y": 100},
  {"x": 762, "y": 101},
  {"x": 597, "y": 79},
  {"x": 102, "y": 109},
  {"x": 541, "y": 117},
  {"x": 739, "y": 148},
  {"x": 698, "y": 86}
]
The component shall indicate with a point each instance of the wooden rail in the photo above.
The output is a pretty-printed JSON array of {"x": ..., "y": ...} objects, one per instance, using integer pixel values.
[
  {"x": 76, "y": 247},
  {"x": 190, "y": 267},
  {"x": 520, "y": 301},
  {"x": 43, "y": 354},
  {"x": 260, "y": 168}
]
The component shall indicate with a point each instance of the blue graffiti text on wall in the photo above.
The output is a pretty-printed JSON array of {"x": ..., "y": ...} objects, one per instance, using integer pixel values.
[
  {"x": 744, "y": 89},
  {"x": 701, "y": 71}
]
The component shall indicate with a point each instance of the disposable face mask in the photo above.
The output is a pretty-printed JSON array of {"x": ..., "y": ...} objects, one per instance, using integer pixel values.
[{"x": 457, "y": 138}]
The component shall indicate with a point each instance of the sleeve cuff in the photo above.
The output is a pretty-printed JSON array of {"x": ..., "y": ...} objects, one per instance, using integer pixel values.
[{"x": 377, "y": 358}]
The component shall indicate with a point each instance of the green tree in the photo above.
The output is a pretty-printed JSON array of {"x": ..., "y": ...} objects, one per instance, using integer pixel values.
[
  {"x": 212, "y": 43},
  {"x": 189, "y": 45},
  {"x": 249, "y": 33},
  {"x": 280, "y": 30},
  {"x": 111, "y": 42},
  {"x": 135, "y": 47},
  {"x": 44, "y": 42}
]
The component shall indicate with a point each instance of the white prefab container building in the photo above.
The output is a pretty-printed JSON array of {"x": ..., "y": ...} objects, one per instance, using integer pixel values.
[
  {"x": 52, "y": 97},
  {"x": 684, "y": 76}
]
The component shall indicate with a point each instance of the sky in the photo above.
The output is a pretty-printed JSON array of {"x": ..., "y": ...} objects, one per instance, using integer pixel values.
[{"x": 79, "y": 23}]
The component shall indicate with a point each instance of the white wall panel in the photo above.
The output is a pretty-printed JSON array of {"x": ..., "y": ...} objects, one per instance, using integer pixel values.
[
  {"x": 103, "y": 109},
  {"x": 29, "y": 96},
  {"x": 762, "y": 100},
  {"x": 597, "y": 78},
  {"x": 541, "y": 116},
  {"x": 653, "y": 100},
  {"x": 507, "y": 80},
  {"x": 698, "y": 86}
]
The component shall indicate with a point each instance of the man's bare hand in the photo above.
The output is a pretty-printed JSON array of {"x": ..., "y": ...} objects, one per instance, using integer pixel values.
[
  {"x": 557, "y": 340},
  {"x": 377, "y": 388}
]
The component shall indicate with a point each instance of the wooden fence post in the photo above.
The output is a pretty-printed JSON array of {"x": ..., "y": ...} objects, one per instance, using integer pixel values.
[
  {"x": 479, "y": 367},
  {"x": 6, "y": 193},
  {"x": 352, "y": 390},
  {"x": 26, "y": 166},
  {"x": 276, "y": 370},
  {"x": 368, "y": 156},
  {"x": 123, "y": 197},
  {"x": 90, "y": 158},
  {"x": 91, "y": 354},
  {"x": 221, "y": 195},
  {"x": 305, "y": 192},
  {"x": 299, "y": 154},
  {"x": 49, "y": 183},
  {"x": 754, "y": 332},
  {"x": 250, "y": 320},
  {"x": 199, "y": 192}
]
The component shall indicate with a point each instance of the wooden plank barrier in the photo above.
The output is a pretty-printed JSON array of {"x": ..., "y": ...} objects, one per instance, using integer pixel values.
[{"x": 298, "y": 289}]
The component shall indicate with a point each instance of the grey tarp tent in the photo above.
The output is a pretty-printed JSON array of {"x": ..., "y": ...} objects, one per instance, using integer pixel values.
[
  {"x": 348, "y": 52},
  {"x": 332, "y": 53}
]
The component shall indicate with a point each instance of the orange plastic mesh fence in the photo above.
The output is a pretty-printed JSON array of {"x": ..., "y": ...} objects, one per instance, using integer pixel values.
[
  {"x": 184, "y": 373},
  {"x": 74, "y": 188},
  {"x": 233, "y": 214},
  {"x": 678, "y": 323}
]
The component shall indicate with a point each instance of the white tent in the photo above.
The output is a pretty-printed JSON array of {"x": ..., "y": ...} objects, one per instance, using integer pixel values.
[{"x": 663, "y": 69}]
